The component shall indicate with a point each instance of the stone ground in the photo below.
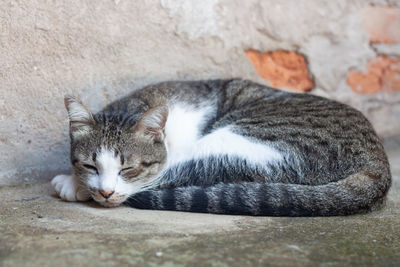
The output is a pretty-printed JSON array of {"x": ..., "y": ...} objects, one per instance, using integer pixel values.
[{"x": 38, "y": 229}]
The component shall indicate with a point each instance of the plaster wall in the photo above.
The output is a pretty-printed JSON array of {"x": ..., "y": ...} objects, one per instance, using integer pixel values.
[{"x": 101, "y": 50}]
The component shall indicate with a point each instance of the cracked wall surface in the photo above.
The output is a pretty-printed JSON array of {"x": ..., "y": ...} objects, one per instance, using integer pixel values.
[{"x": 101, "y": 50}]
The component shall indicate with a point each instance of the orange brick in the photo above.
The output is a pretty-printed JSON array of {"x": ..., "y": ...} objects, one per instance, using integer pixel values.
[
  {"x": 382, "y": 74},
  {"x": 282, "y": 69},
  {"x": 382, "y": 24}
]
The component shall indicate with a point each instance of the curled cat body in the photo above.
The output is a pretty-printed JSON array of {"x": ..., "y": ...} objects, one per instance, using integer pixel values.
[{"x": 227, "y": 147}]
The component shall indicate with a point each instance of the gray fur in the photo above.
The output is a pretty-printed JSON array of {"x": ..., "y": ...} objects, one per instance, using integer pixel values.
[{"x": 334, "y": 164}]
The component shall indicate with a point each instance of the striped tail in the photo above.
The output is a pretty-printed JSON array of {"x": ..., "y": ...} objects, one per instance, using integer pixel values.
[{"x": 355, "y": 194}]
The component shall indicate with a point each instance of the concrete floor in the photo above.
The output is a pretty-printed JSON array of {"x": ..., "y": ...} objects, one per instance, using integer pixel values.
[{"x": 38, "y": 229}]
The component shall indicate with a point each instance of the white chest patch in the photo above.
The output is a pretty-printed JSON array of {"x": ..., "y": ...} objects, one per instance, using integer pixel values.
[{"x": 185, "y": 143}]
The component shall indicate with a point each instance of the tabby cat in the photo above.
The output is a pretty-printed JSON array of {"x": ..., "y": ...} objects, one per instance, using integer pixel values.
[{"x": 225, "y": 146}]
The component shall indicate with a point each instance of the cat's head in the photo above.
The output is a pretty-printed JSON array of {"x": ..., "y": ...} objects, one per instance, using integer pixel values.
[{"x": 113, "y": 158}]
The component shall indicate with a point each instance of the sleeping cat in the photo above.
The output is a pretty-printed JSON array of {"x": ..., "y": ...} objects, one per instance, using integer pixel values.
[{"x": 225, "y": 146}]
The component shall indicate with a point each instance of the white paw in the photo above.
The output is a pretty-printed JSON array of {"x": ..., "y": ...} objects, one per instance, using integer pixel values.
[{"x": 68, "y": 188}]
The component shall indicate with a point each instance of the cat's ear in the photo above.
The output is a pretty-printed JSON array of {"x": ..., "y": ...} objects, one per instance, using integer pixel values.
[
  {"x": 152, "y": 123},
  {"x": 80, "y": 118}
]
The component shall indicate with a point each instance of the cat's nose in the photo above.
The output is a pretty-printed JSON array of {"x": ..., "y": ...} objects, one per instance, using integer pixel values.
[{"x": 106, "y": 194}]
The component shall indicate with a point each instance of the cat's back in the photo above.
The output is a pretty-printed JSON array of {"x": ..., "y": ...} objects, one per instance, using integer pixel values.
[{"x": 265, "y": 112}]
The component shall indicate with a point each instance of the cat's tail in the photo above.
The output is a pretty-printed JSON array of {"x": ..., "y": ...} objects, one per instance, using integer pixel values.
[{"x": 357, "y": 193}]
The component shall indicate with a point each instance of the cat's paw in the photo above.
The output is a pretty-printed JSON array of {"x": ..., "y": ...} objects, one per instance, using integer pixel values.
[{"x": 68, "y": 189}]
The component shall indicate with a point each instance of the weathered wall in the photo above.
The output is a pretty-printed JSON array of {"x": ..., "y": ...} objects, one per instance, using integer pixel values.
[{"x": 100, "y": 50}]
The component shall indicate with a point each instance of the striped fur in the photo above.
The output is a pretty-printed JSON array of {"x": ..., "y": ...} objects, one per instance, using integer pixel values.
[
  {"x": 261, "y": 199},
  {"x": 231, "y": 147},
  {"x": 214, "y": 186}
]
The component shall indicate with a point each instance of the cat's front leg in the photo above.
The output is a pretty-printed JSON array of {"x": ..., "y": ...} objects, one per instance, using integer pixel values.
[{"x": 69, "y": 189}]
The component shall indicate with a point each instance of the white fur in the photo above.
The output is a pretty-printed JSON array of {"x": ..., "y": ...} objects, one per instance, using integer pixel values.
[
  {"x": 68, "y": 188},
  {"x": 184, "y": 141},
  {"x": 225, "y": 142},
  {"x": 109, "y": 180},
  {"x": 182, "y": 129},
  {"x": 109, "y": 166}
]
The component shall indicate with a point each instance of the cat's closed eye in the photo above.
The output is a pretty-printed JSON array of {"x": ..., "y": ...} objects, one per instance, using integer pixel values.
[
  {"x": 91, "y": 167},
  {"x": 148, "y": 164},
  {"x": 125, "y": 170},
  {"x": 130, "y": 172}
]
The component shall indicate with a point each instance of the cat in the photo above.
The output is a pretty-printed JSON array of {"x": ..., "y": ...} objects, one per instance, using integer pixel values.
[{"x": 228, "y": 147}]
